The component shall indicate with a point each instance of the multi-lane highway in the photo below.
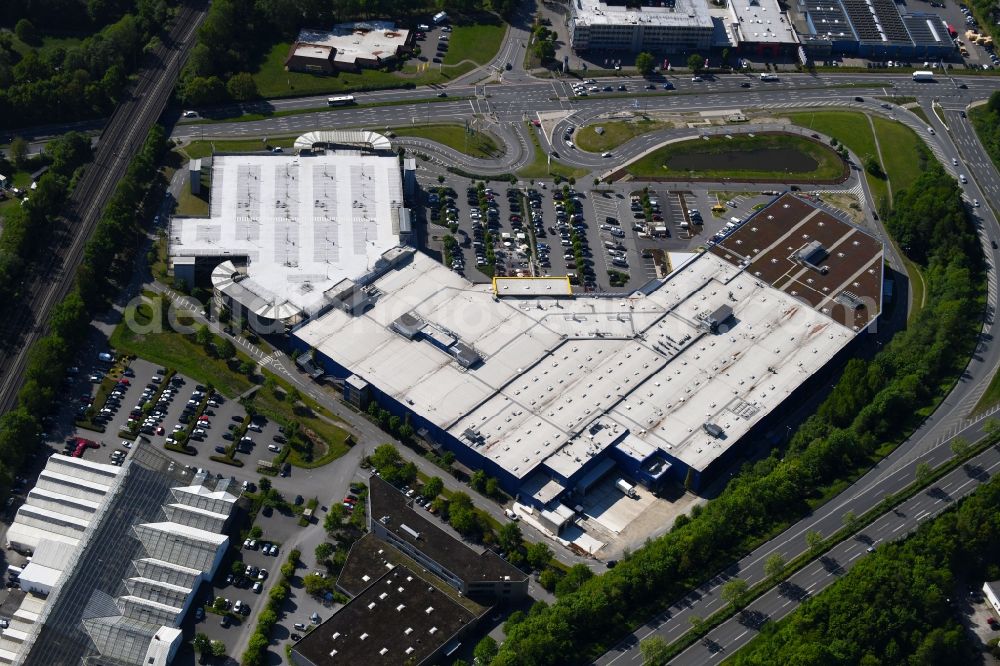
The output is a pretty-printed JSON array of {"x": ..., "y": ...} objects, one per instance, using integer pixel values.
[{"x": 119, "y": 142}]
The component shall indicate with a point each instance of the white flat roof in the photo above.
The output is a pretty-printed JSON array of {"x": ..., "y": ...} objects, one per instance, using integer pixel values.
[
  {"x": 683, "y": 13},
  {"x": 365, "y": 41},
  {"x": 761, "y": 22},
  {"x": 303, "y": 223},
  {"x": 551, "y": 367}
]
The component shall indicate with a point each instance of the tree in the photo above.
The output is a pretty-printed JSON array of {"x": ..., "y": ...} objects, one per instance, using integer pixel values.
[
  {"x": 645, "y": 63},
  {"x": 225, "y": 349},
  {"x": 432, "y": 488},
  {"x": 316, "y": 585},
  {"x": 574, "y": 579},
  {"x": 324, "y": 551},
  {"x": 247, "y": 368},
  {"x": 478, "y": 480},
  {"x": 924, "y": 471},
  {"x": 814, "y": 539},
  {"x": 242, "y": 87},
  {"x": 509, "y": 537},
  {"x": 264, "y": 484},
  {"x": 774, "y": 567},
  {"x": 201, "y": 643},
  {"x": 873, "y": 167},
  {"x": 849, "y": 519},
  {"x": 218, "y": 649},
  {"x": 237, "y": 568},
  {"x": 538, "y": 555},
  {"x": 385, "y": 457},
  {"x": 294, "y": 396},
  {"x": 334, "y": 519},
  {"x": 734, "y": 593},
  {"x": 697, "y": 623},
  {"x": 25, "y": 31},
  {"x": 19, "y": 152},
  {"x": 725, "y": 56},
  {"x": 486, "y": 651},
  {"x": 992, "y": 425},
  {"x": 960, "y": 447},
  {"x": 654, "y": 651},
  {"x": 696, "y": 63}
]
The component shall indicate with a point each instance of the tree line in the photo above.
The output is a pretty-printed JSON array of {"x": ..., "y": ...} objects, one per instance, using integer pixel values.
[
  {"x": 895, "y": 607},
  {"x": 987, "y": 122},
  {"x": 85, "y": 81},
  {"x": 874, "y": 402},
  {"x": 115, "y": 237},
  {"x": 28, "y": 227}
]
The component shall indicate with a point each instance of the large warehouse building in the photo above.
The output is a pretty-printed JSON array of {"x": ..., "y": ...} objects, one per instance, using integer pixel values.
[
  {"x": 550, "y": 392},
  {"x": 287, "y": 234},
  {"x": 117, "y": 556}
]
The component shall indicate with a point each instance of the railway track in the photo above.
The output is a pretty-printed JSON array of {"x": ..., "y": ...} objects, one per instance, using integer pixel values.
[{"x": 52, "y": 278}]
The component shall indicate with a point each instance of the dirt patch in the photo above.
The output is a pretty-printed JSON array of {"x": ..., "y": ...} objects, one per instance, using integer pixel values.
[{"x": 845, "y": 202}]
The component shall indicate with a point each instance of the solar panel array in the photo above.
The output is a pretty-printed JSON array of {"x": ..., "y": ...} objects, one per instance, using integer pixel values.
[
  {"x": 926, "y": 30},
  {"x": 828, "y": 19},
  {"x": 286, "y": 190},
  {"x": 892, "y": 23},
  {"x": 863, "y": 20},
  {"x": 326, "y": 227}
]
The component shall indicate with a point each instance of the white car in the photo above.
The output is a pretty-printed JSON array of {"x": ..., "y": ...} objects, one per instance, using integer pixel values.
[
  {"x": 930, "y": 130},
  {"x": 605, "y": 154},
  {"x": 274, "y": 448},
  {"x": 954, "y": 162},
  {"x": 190, "y": 114},
  {"x": 975, "y": 203}
]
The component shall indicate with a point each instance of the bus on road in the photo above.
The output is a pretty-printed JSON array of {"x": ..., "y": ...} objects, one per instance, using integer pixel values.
[{"x": 342, "y": 100}]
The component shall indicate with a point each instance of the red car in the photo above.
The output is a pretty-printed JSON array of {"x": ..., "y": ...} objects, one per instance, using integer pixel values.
[
  {"x": 124, "y": 382},
  {"x": 350, "y": 500}
]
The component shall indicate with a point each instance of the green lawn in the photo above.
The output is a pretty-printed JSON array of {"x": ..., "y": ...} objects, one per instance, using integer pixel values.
[
  {"x": 477, "y": 42},
  {"x": 852, "y": 128},
  {"x": 920, "y": 113},
  {"x": 49, "y": 43},
  {"x": 655, "y": 164},
  {"x": 539, "y": 167},
  {"x": 197, "y": 149},
  {"x": 453, "y": 135},
  {"x": 616, "y": 132},
  {"x": 902, "y": 152},
  {"x": 172, "y": 350},
  {"x": 192, "y": 205}
]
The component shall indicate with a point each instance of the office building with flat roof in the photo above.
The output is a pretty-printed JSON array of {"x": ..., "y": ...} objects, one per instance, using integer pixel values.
[{"x": 672, "y": 26}]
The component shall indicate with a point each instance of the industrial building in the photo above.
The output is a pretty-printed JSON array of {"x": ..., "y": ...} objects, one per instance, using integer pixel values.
[
  {"x": 289, "y": 235},
  {"x": 876, "y": 29},
  {"x": 117, "y": 555},
  {"x": 661, "y": 27},
  {"x": 415, "y": 590},
  {"x": 348, "y": 47},
  {"x": 550, "y": 394}
]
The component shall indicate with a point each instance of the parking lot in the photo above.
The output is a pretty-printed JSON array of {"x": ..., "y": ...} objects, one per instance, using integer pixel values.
[{"x": 613, "y": 235}]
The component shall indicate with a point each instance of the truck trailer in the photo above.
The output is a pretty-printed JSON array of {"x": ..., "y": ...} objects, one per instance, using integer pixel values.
[
  {"x": 923, "y": 75},
  {"x": 627, "y": 488}
]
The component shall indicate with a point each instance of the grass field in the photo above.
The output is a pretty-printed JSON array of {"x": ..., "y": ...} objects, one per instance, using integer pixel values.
[
  {"x": 902, "y": 153},
  {"x": 191, "y": 205},
  {"x": 477, "y": 42},
  {"x": 616, "y": 132},
  {"x": 920, "y": 113},
  {"x": 541, "y": 169},
  {"x": 49, "y": 43},
  {"x": 851, "y": 128},
  {"x": 197, "y": 149},
  {"x": 173, "y": 350},
  {"x": 453, "y": 135},
  {"x": 654, "y": 164}
]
